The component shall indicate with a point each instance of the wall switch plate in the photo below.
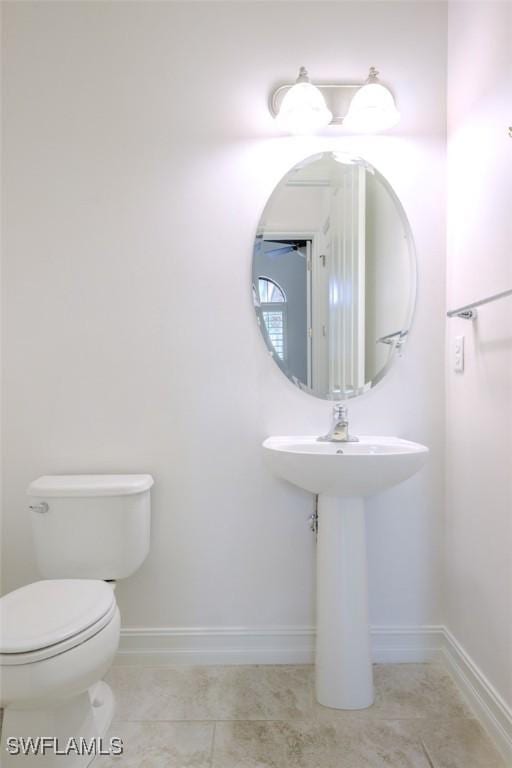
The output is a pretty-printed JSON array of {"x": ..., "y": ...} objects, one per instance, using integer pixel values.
[{"x": 458, "y": 354}]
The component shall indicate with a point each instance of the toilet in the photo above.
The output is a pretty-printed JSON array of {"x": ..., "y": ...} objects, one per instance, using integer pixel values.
[{"x": 59, "y": 636}]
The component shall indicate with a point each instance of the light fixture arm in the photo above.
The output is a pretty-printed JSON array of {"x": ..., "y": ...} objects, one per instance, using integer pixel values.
[
  {"x": 373, "y": 75},
  {"x": 303, "y": 76},
  {"x": 278, "y": 94}
]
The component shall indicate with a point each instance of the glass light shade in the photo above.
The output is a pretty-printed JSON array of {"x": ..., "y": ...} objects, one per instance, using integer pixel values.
[
  {"x": 303, "y": 110},
  {"x": 372, "y": 109}
]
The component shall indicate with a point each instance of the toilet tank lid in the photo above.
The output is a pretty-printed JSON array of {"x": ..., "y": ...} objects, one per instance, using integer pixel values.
[{"x": 89, "y": 485}]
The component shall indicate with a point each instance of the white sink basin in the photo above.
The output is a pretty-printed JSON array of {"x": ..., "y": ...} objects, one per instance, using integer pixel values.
[
  {"x": 344, "y": 469},
  {"x": 342, "y": 474}
]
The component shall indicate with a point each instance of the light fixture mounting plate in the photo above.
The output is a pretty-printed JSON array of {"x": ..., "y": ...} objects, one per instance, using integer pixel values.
[{"x": 342, "y": 89}]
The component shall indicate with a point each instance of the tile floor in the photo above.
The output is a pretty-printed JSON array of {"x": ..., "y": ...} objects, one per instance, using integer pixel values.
[{"x": 267, "y": 717}]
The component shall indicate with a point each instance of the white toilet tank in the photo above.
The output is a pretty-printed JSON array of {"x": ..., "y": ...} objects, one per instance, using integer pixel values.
[{"x": 90, "y": 526}]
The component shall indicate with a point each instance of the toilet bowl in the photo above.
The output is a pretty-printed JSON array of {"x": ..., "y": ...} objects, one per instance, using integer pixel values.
[{"x": 57, "y": 640}]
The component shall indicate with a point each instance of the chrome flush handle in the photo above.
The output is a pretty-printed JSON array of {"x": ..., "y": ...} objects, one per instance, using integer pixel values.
[{"x": 42, "y": 507}]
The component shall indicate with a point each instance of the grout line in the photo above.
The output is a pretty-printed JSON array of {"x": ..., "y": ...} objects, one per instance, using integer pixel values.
[
  {"x": 298, "y": 720},
  {"x": 427, "y": 754},
  {"x": 181, "y": 666},
  {"x": 212, "y": 750}
]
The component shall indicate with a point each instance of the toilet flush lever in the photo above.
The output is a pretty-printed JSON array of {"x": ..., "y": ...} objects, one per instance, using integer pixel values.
[{"x": 42, "y": 507}]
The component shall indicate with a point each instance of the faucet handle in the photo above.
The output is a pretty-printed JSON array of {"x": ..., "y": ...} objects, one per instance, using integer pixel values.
[{"x": 340, "y": 411}]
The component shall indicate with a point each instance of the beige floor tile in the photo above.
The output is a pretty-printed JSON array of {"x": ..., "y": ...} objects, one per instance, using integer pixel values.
[
  {"x": 459, "y": 744},
  {"x": 351, "y": 744},
  {"x": 406, "y": 691},
  {"x": 211, "y": 693},
  {"x": 161, "y": 745}
]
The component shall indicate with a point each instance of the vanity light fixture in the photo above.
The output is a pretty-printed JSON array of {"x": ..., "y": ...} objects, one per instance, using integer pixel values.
[
  {"x": 372, "y": 108},
  {"x": 301, "y": 108}
]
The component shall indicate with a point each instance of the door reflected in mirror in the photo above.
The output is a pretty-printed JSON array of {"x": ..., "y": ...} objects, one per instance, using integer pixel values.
[{"x": 334, "y": 276}]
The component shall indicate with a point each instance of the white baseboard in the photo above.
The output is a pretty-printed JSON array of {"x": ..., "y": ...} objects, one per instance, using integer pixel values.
[
  {"x": 480, "y": 695},
  {"x": 406, "y": 645},
  {"x": 295, "y": 645},
  {"x": 216, "y": 645},
  {"x": 263, "y": 645}
]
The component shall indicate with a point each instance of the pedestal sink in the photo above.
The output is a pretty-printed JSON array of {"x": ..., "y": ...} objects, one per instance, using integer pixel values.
[{"x": 342, "y": 474}]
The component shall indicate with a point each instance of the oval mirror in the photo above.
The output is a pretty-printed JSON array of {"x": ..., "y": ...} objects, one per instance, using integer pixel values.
[{"x": 334, "y": 276}]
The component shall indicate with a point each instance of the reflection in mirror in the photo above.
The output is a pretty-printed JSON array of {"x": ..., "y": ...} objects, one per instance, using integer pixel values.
[{"x": 334, "y": 275}]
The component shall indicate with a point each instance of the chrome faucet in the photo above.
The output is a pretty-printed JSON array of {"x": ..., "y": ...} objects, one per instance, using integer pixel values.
[{"x": 338, "y": 432}]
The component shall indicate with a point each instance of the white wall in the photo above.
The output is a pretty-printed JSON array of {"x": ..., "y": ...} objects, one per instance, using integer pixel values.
[
  {"x": 479, "y": 402},
  {"x": 137, "y": 145}
]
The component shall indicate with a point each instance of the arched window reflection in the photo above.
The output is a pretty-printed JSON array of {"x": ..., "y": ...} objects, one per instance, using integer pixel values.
[{"x": 273, "y": 311}]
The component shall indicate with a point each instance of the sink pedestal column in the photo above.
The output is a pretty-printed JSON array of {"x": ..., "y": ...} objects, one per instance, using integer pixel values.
[{"x": 344, "y": 678}]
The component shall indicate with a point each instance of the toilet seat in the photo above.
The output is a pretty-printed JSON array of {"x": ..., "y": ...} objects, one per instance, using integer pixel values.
[
  {"x": 29, "y": 657},
  {"x": 49, "y": 617}
]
